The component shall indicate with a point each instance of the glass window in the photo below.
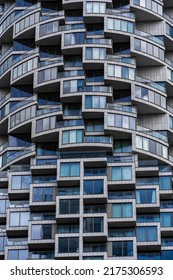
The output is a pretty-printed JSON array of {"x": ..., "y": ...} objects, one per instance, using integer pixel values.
[
  {"x": 74, "y": 39},
  {"x": 68, "y": 245},
  {"x": 93, "y": 186},
  {"x": 19, "y": 218},
  {"x": 93, "y": 224},
  {"x": 69, "y": 169},
  {"x": 122, "y": 210},
  {"x": 167, "y": 241},
  {"x": 145, "y": 196},
  {"x": 69, "y": 206},
  {"x": 43, "y": 194},
  {"x": 166, "y": 219},
  {"x": 3, "y": 205},
  {"x": 72, "y": 136},
  {"x": 121, "y": 173},
  {"x": 122, "y": 146},
  {"x": 42, "y": 231},
  {"x": 17, "y": 254},
  {"x": 146, "y": 234},
  {"x": 122, "y": 248},
  {"x": 165, "y": 183}
]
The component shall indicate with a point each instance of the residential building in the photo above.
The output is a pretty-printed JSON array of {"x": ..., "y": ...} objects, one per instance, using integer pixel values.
[{"x": 86, "y": 129}]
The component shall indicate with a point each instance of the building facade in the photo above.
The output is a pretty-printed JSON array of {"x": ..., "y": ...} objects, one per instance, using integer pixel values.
[{"x": 86, "y": 129}]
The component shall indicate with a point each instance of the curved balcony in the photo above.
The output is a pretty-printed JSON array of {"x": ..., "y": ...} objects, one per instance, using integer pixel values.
[
  {"x": 147, "y": 54},
  {"x": 51, "y": 61},
  {"x": 159, "y": 86},
  {"x": 6, "y": 111},
  {"x": 147, "y": 10},
  {"x": 20, "y": 156},
  {"x": 88, "y": 143},
  {"x": 6, "y": 66},
  {"x": 152, "y": 133},
  {"x": 151, "y": 148},
  {"x": 47, "y": 127},
  {"x": 120, "y": 13},
  {"x": 20, "y": 121},
  {"x": 51, "y": 76},
  {"x": 148, "y": 101},
  {"x": 119, "y": 28},
  {"x": 119, "y": 125},
  {"x": 26, "y": 21},
  {"x": 9, "y": 18},
  {"x": 53, "y": 30},
  {"x": 120, "y": 73}
]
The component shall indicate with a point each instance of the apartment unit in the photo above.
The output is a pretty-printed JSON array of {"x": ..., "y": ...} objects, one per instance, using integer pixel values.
[{"x": 86, "y": 129}]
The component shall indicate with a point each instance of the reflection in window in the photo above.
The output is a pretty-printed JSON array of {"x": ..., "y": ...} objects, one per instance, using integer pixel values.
[
  {"x": 145, "y": 196},
  {"x": 121, "y": 121},
  {"x": 74, "y": 38},
  {"x": 19, "y": 219},
  {"x": 119, "y": 71},
  {"x": 41, "y": 231},
  {"x": 43, "y": 194},
  {"x": 120, "y": 25},
  {"x": 20, "y": 182}
]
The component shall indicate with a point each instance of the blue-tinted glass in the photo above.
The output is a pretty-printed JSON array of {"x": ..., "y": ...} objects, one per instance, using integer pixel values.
[
  {"x": 116, "y": 173},
  {"x": 65, "y": 169},
  {"x": 167, "y": 255},
  {"x": 149, "y": 256},
  {"x": 43, "y": 194},
  {"x": 121, "y": 232},
  {"x": 165, "y": 182},
  {"x": 93, "y": 186},
  {"x": 167, "y": 241},
  {"x": 166, "y": 219},
  {"x": 88, "y": 102},
  {"x": 146, "y": 196},
  {"x": 148, "y": 218},
  {"x": 146, "y": 234}
]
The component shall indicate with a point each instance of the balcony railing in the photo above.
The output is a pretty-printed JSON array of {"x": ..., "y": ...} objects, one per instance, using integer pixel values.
[
  {"x": 17, "y": 154},
  {"x": 150, "y": 37},
  {"x": 49, "y": 110},
  {"x": 127, "y": 60},
  {"x": 150, "y": 83},
  {"x": 120, "y": 13},
  {"x": 124, "y": 108},
  {"x": 23, "y": 103},
  {"x": 152, "y": 133}
]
